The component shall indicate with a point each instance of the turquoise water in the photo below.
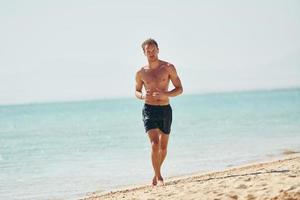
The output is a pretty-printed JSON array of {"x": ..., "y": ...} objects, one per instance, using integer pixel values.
[{"x": 65, "y": 150}]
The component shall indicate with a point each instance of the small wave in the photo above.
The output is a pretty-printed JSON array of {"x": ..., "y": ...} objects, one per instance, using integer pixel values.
[{"x": 284, "y": 152}]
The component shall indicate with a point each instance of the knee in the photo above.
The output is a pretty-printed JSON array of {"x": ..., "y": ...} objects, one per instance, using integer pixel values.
[
  {"x": 155, "y": 146},
  {"x": 163, "y": 148}
]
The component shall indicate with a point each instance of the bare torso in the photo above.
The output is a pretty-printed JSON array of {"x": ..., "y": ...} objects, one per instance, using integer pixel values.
[{"x": 156, "y": 80}]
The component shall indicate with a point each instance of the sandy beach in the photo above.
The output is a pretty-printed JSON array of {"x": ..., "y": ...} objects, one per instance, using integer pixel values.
[{"x": 274, "y": 180}]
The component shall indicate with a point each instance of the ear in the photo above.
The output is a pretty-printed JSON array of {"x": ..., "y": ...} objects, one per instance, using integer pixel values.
[{"x": 157, "y": 50}]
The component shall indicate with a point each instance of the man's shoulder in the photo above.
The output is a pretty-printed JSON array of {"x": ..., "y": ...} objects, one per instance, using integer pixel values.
[
  {"x": 169, "y": 66},
  {"x": 166, "y": 64},
  {"x": 141, "y": 69}
]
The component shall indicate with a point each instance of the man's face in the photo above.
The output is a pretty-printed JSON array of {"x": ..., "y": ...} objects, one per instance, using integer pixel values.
[{"x": 151, "y": 51}]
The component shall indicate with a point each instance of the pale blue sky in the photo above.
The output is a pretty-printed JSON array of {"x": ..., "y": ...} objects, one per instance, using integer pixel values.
[{"x": 72, "y": 50}]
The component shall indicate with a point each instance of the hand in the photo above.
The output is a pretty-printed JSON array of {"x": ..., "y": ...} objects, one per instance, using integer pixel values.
[{"x": 159, "y": 94}]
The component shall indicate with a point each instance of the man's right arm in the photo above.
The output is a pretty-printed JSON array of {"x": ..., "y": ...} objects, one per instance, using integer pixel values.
[{"x": 139, "y": 86}]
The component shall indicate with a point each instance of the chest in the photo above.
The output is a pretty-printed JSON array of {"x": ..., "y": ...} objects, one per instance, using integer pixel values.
[{"x": 158, "y": 75}]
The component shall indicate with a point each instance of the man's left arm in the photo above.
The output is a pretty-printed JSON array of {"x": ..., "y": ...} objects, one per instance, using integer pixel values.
[{"x": 176, "y": 82}]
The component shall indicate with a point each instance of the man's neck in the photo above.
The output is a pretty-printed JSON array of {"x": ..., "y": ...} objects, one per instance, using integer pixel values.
[{"x": 154, "y": 64}]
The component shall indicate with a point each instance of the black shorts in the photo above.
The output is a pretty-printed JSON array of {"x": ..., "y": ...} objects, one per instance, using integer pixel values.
[{"x": 157, "y": 117}]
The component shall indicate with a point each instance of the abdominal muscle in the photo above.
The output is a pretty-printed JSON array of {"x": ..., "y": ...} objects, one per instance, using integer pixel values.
[
  {"x": 154, "y": 101},
  {"x": 158, "y": 102}
]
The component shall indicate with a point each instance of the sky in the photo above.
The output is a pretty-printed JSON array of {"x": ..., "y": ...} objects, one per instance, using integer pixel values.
[{"x": 64, "y": 50}]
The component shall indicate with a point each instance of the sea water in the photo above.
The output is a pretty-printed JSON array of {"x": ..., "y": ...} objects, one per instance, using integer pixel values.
[{"x": 66, "y": 150}]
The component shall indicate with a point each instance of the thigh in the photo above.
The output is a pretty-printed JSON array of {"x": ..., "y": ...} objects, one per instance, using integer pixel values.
[
  {"x": 164, "y": 139},
  {"x": 154, "y": 135}
]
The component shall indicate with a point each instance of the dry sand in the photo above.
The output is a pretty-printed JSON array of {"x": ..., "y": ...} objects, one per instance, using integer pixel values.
[{"x": 272, "y": 180}]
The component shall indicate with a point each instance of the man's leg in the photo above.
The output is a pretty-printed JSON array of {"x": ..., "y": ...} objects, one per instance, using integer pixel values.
[
  {"x": 155, "y": 144},
  {"x": 163, "y": 140}
]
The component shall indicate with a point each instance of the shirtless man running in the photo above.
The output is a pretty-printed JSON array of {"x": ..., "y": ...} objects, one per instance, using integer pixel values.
[{"x": 157, "y": 112}]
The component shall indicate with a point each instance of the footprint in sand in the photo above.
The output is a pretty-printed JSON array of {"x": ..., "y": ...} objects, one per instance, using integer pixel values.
[
  {"x": 293, "y": 187},
  {"x": 292, "y": 176},
  {"x": 247, "y": 179},
  {"x": 242, "y": 186},
  {"x": 250, "y": 197},
  {"x": 263, "y": 184},
  {"x": 232, "y": 195},
  {"x": 220, "y": 194}
]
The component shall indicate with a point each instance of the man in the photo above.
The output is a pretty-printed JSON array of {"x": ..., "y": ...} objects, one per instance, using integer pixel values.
[{"x": 157, "y": 112}]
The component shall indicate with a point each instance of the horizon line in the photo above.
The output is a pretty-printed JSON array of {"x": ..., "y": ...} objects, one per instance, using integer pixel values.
[{"x": 58, "y": 101}]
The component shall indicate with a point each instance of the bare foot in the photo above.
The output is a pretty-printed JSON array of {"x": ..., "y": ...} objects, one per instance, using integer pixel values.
[
  {"x": 154, "y": 181},
  {"x": 160, "y": 182}
]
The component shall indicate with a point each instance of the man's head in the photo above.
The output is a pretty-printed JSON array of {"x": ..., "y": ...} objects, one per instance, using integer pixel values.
[{"x": 150, "y": 48}]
